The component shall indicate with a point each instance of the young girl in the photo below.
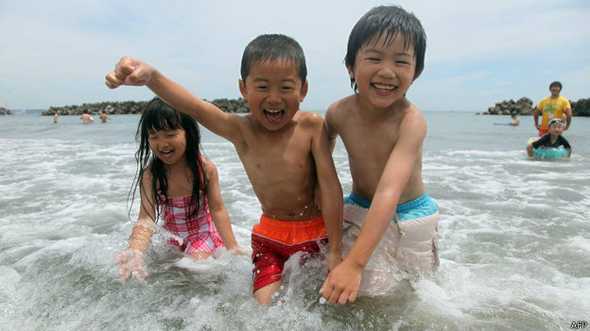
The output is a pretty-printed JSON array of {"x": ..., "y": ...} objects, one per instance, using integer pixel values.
[{"x": 177, "y": 182}]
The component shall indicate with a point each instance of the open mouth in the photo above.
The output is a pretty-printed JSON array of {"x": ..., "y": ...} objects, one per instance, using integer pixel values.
[
  {"x": 166, "y": 154},
  {"x": 273, "y": 116},
  {"x": 384, "y": 87}
]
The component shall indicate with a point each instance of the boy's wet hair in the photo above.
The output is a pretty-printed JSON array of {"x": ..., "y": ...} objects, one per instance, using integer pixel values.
[
  {"x": 555, "y": 83},
  {"x": 156, "y": 116},
  {"x": 391, "y": 22},
  {"x": 270, "y": 47}
]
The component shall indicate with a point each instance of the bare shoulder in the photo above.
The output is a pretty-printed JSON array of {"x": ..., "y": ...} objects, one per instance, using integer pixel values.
[
  {"x": 413, "y": 121},
  {"x": 209, "y": 168},
  {"x": 309, "y": 121},
  {"x": 337, "y": 109}
]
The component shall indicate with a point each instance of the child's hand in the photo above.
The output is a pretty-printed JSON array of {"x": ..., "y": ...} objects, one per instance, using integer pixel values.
[
  {"x": 129, "y": 71},
  {"x": 131, "y": 265},
  {"x": 342, "y": 284},
  {"x": 239, "y": 250}
]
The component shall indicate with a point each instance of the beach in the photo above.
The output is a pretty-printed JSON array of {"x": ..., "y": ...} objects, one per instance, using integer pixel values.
[{"x": 514, "y": 237}]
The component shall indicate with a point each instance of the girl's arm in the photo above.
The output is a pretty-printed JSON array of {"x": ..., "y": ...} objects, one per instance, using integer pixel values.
[
  {"x": 130, "y": 261},
  {"x": 140, "y": 237},
  {"x": 217, "y": 207}
]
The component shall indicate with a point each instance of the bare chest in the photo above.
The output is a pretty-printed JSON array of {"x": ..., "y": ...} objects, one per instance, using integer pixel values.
[
  {"x": 276, "y": 160},
  {"x": 369, "y": 144}
]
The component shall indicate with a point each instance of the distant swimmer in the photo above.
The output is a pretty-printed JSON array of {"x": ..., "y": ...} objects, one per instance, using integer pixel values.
[
  {"x": 86, "y": 118},
  {"x": 104, "y": 117},
  {"x": 515, "y": 120},
  {"x": 55, "y": 118}
]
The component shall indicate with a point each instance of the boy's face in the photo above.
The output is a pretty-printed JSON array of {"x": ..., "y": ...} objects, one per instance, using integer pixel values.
[
  {"x": 555, "y": 90},
  {"x": 384, "y": 72},
  {"x": 556, "y": 129},
  {"x": 273, "y": 91}
]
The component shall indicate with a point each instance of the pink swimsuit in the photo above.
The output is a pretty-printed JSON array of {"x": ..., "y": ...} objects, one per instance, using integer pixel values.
[{"x": 199, "y": 232}]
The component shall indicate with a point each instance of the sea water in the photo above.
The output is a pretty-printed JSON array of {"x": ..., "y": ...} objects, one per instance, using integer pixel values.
[{"x": 514, "y": 237}]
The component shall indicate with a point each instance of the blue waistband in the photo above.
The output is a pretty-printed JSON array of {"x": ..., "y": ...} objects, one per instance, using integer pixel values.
[{"x": 422, "y": 206}]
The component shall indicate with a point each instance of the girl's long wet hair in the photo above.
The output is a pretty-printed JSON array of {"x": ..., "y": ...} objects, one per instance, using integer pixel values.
[{"x": 157, "y": 116}]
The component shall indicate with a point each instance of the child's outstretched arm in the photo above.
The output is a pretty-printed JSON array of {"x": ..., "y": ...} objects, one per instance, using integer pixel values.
[
  {"x": 217, "y": 208},
  {"x": 529, "y": 150},
  {"x": 343, "y": 283},
  {"x": 133, "y": 72},
  {"x": 329, "y": 189},
  {"x": 130, "y": 261}
]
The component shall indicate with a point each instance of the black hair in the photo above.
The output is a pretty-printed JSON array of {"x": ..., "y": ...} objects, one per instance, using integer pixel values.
[
  {"x": 555, "y": 83},
  {"x": 388, "y": 21},
  {"x": 156, "y": 116},
  {"x": 270, "y": 47}
]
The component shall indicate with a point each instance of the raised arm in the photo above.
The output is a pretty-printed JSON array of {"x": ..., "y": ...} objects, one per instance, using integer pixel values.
[
  {"x": 344, "y": 281},
  {"x": 217, "y": 208},
  {"x": 134, "y": 72},
  {"x": 330, "y": 191}
]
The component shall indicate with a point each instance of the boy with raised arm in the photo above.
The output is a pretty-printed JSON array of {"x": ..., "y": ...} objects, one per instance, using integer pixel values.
[
  {"x": 285, "y": 152},
  {"x": 390, "y": 223}
]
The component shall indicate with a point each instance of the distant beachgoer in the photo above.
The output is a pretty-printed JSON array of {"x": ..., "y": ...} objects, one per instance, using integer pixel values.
[
  {"x": 390, "y": 222},
  {"x": 104, "y": 117},
  {"x": 553, "y": 106},
  {"x": 175, "y": 179},
  {"x": 55, "y": 118},
  {"x": 515, "y": 121},
  {"x": 283, "y": 150},
  {"x": 86, "y": 117},
  {"x": 553, "y": 139}
]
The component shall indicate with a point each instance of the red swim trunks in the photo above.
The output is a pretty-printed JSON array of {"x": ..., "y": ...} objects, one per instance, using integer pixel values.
[{"x": 274, "y": 241}]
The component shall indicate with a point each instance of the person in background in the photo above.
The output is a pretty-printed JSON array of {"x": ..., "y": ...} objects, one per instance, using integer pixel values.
[
  {"x": 86, "y": 118},
  {"x": 553, "y": 139},
  {"x": 553, "y": 106},
  {"x": 104, "y": 117}
]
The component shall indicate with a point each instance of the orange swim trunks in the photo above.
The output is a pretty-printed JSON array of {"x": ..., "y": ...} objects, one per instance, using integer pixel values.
[{"x": 274, "y": 241}]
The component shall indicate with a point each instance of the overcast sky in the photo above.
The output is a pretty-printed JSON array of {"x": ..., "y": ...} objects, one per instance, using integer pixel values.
[{"x": 55, "y": 53}]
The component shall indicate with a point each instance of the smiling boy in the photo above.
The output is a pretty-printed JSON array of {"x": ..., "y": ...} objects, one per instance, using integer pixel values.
[{"x": 390, "y": 223}]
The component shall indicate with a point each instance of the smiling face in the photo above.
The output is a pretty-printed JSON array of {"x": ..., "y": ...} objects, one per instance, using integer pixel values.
[
  {"x": 273, "y": 91},
  {"x": 168, "y": 145},
  {"x": 556, "y": 128},
  {"x": 555, "y": 90},
  {"x": 383, "y": 71}
]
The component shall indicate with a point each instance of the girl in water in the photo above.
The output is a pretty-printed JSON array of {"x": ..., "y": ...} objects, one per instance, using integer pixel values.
[{"x": 176, "y": 182}]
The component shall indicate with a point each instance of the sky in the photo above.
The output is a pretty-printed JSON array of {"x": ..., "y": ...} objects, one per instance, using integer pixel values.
[{"x": 56, "y": 53}]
